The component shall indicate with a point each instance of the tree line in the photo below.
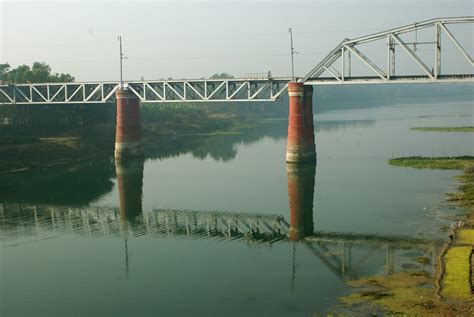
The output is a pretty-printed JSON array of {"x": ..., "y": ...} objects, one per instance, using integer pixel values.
[{"x": 39, "y": 72}]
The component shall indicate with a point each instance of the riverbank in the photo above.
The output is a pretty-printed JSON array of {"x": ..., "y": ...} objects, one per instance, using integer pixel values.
[
  {"x": 443, "y": 129},
  {"x": 36, "y": 168},
  {"x": 47, "y": 136},
  {"x": 442, "y": 163},
  {"x": 448, "y": 292},
  {"x": 19, "y": 153}
]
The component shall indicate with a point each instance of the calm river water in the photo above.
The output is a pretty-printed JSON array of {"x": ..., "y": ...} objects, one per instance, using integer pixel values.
[{"x": 217, "y": 231}]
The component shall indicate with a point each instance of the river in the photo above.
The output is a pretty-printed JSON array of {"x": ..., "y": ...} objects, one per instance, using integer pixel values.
[{"x": 218, "y": 230}]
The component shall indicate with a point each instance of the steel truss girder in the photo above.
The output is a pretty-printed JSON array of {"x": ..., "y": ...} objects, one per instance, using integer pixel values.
[
  {"x": 147, "y": 91},
  {"x": 392, "y": 38}
]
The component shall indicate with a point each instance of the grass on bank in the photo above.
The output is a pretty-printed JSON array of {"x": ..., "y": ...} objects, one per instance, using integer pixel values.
[
  {"x": 456, "y": 282},
  {"x": 443, "y": 129},
  {"x": 443, "y": 163}
]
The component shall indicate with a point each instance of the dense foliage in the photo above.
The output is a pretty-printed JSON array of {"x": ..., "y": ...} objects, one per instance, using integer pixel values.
[
  {"x": 38, "y": 73},
  {"x": 45, "y": 120},
  {"x": 221, "y": 76},
  {"x": 4, "y": 68}
]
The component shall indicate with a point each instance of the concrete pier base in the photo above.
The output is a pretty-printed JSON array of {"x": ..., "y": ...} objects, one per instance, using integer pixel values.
[
  {"x": 128, "y": 134},
  {"x": 301, "y": 146},
  {"x": 301, "y": 179}
]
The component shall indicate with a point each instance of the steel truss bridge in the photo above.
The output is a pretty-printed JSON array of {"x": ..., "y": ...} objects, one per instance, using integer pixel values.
[
  {"x": 389, "y": 40},
  {"x": 335, "y": 250},
  {"x": 335, "y": 68},
  {"x": 208, "y": 90}
]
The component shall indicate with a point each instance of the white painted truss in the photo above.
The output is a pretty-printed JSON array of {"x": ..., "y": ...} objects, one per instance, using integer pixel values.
[
  {"x": 335, "y": 68},
  {"x": 201, "y": 90}
]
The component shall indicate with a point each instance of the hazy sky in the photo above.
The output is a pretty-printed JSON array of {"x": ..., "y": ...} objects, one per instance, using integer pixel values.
[{"x": 191, "y": 39}]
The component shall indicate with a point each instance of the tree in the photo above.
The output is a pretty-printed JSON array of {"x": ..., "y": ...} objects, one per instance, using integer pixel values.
[
  {"x": 221, "y": 76},
  {"x": 4, "y": 69},
  {"x": 40, "y": 72},
  {"x": 61, "y": 78},
  {"x": 21, "y": 74}
]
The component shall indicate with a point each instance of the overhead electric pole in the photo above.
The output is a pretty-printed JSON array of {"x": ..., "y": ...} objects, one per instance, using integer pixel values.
[
  {"x": 121, "y": 59},
  {"x": 292, "y": 53}
]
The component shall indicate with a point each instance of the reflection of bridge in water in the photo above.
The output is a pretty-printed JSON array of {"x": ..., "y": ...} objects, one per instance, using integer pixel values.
[{"x": 335, "y": 250}]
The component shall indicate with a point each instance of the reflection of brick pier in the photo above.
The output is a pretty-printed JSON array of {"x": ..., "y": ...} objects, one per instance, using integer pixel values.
[
  {"x": 130, "y": 186},
  {"x": 301, "y": 179}
]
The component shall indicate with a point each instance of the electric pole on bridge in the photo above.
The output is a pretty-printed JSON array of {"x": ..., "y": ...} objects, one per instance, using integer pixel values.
[
  {"x": 292, "y": 53},
  {"x": 121, "y": 59}
]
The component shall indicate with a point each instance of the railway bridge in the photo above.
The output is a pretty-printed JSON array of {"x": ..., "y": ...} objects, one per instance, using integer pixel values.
[{"x": 337, "y": 68}]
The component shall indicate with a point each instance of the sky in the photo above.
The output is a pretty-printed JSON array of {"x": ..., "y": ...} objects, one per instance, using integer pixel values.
[{"x": 194, "y": 39}]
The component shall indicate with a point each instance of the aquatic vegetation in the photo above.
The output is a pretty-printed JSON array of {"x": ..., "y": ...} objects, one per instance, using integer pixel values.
[
  {"x": 404, "y": 293},
  {"x": 467, "y": 188},
  {"x": 444, "y": 163},
  {"x": 443, "y": 129},
  {"x": 423, "y": 260},
  {"x": 401, "y": 292}
]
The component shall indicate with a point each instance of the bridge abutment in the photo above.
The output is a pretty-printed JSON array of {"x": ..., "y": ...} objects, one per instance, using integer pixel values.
[
  {"x": 300, "y": 147},
  {"x": 128, "y": 134},
  {"x": 301, "y": 179}
]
